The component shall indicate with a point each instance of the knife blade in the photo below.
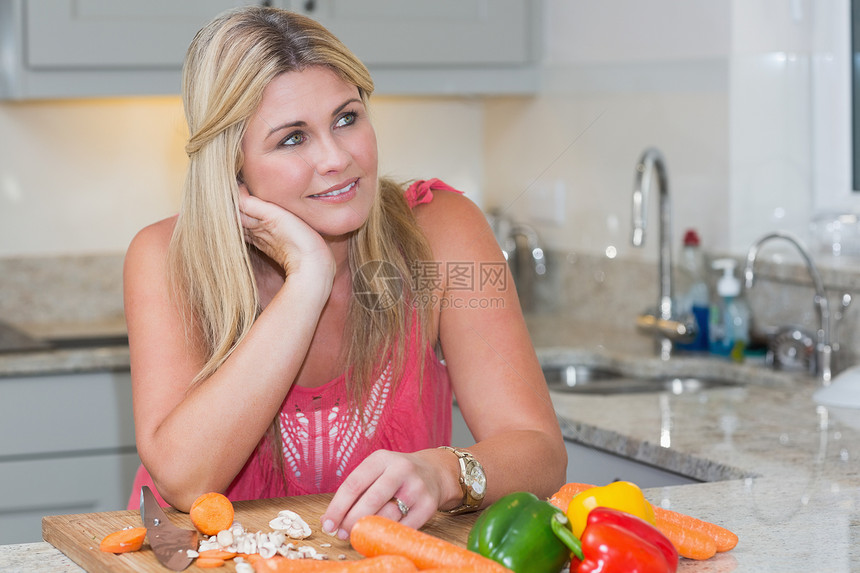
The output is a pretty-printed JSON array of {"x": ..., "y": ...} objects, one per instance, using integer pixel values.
[{"x": 169, "y": 543}]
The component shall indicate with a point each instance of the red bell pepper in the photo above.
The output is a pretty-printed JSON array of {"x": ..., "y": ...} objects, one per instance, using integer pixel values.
[{"x": 617, "y": 541}]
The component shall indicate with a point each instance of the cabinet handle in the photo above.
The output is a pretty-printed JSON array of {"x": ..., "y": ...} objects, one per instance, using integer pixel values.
[{"x": 310, "y": 5}]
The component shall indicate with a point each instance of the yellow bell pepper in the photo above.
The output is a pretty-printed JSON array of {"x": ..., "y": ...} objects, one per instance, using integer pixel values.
[{"x": 621, "y": 495}]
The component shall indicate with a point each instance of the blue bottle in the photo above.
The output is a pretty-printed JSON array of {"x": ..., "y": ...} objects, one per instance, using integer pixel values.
[{"x": 694, "y": 299}]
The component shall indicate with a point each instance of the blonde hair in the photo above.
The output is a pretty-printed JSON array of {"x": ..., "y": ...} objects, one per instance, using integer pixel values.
[{"x": 229, "y": 63}]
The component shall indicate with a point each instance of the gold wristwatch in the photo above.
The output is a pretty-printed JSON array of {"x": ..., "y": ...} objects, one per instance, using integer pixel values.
[{"x": 473, "y": 481}]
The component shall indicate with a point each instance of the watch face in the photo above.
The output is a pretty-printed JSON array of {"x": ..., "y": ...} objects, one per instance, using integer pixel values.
[{"x": 476, "y": 481}]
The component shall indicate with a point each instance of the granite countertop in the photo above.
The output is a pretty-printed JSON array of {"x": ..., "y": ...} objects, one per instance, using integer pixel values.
[
  {"x": 68, "y": 347},
  {"x": 782, "y": 471}
]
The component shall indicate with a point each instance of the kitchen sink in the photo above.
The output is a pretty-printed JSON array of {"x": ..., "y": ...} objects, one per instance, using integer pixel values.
[{"x": 595, "y": 379}]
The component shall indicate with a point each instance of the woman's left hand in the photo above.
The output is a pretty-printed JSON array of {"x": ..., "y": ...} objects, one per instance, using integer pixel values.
[{"x": 415, "y": 479}]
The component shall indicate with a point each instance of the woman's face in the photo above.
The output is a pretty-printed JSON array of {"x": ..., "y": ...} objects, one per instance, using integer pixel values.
[{"x": 310, "y": 148}]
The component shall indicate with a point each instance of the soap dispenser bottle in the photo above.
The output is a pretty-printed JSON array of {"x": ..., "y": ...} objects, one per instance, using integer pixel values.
[{"x": 730, "y": 315}]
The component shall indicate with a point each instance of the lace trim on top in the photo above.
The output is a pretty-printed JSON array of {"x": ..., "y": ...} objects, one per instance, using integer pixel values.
[{"x": 320, "y": 437}]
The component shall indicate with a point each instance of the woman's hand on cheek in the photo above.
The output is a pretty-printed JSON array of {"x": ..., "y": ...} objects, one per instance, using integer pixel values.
[
  {"x": 372, "y": 487},
  {"x": 283, "y": 236}
]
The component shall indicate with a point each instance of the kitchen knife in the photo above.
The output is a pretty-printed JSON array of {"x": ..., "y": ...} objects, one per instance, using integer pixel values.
[{"x": 169, "y": 543}]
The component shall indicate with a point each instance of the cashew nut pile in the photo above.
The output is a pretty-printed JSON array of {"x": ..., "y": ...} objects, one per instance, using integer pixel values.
[
  {"x": 291, "y": 524},
  {"x": 287, "y": 525}
]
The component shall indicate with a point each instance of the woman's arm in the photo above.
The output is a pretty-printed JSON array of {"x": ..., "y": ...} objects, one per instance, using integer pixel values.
[
  {"x": 496, "y": 378},
  {"x": 197, "y": 441},
  {"x": 494, "y": 371}
]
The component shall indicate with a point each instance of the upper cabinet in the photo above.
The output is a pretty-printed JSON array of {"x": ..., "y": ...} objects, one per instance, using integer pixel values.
[{"x": 86, "y": 48}]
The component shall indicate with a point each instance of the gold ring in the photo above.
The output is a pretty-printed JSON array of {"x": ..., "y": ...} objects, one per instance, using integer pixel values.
[{"x": 404, "y": 509}]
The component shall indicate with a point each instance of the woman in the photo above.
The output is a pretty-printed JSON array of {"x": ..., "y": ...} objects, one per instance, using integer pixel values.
[{"x": 282, "y": 327}]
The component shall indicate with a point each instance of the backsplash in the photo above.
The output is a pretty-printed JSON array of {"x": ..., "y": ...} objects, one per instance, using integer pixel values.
[
  {"x": 61, "y": 290},
  {"x": 75, "y": 291}
]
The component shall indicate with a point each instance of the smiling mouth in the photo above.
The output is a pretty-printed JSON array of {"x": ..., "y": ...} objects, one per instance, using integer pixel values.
[{"x": 337, "y": 192}]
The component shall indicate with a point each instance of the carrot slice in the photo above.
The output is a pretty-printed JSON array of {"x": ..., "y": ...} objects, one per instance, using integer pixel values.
[
  {"x": 561, "y": 498},
  {"x": 724, "y": 539},
  {"x": 379, "y": 564},
  {"x": 209, "y": 562},
  {"x": 124, "y": 540},
  {"x": 211, "y": 512},
  {"x": 216, "y": 554},
  {"x": 374, "y": 535}
]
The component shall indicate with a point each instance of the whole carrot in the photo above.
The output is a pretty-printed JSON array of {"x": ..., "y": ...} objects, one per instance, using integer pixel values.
[
  {"x": 380, "y": 564},
  {"x": 561, "y": 498},
  {"x": 690, "y": 543},
  {"x": 374, "y": 535},
  {"x": 723, "y": 538},
  {"x": 448, "y": 570}
]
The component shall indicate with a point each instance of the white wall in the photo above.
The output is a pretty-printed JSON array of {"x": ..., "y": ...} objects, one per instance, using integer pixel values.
[{"x": 83, "y": 176}]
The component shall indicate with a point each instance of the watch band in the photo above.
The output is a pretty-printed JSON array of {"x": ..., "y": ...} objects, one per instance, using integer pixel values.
[{"x": 473, "y": 481}]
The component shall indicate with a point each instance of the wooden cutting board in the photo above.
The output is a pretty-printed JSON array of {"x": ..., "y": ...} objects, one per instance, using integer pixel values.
[{"x": 78, "y": 536}]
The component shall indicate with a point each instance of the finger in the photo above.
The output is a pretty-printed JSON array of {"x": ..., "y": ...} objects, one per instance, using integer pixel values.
[
  {"x": 376, "y": 499},
  {"x": 420, "y": 503},
  {"x": 353, "y": 492},
  {"x": 391, "y": 511}
]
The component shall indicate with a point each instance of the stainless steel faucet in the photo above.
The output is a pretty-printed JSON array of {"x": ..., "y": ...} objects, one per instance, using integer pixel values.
[
  {"x": 662, "y": 324},
  {"x": 823, "y": 348},
  {"x": 526, "y": 256}
]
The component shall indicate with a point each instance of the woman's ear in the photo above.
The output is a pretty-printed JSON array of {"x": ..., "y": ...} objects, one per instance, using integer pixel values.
[{"x": 243, "y": 188}]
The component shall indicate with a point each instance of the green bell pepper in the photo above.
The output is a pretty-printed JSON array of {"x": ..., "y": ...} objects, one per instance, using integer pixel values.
[{"x": 518, "y": 532}]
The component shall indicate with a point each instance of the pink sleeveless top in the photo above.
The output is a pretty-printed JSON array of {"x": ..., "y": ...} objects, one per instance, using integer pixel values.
[{"x": 323, "y": 441}]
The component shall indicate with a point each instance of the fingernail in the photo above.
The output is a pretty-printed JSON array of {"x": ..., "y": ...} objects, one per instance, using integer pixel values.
[
  {"x": 342, "y": 534},
  {"x": 328, "y": 527}
]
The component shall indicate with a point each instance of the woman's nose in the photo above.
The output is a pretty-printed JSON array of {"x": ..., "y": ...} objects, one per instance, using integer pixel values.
[{"x": 331, "y": 156}]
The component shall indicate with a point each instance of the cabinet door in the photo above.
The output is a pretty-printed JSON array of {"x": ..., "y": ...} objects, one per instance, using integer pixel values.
[
  {"x": 64, "y": 414},
  {"x": 66, "y": 446},
  {"x": 428, "y": 33},
  {"x": 92, "y": 34},
  {"x": 35, "y": 488}
]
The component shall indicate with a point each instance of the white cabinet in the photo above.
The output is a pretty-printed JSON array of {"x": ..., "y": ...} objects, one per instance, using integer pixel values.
[
  {"x": 81, "y": 48},
  {"x": 84, "y": 48},
  {"x": 438, "y": 46},
  {"x": 461, "y": 436},
  {"x": 66, "y": 446},
  {"x": 427, "y": 33},
  {"x": 106, "y": 34}
]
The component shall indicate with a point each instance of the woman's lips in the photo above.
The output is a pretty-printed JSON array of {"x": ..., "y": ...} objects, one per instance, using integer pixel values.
[{"x": 342, "y": 193}]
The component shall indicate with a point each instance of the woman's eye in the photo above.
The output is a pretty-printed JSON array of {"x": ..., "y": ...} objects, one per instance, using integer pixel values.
[
  {"x": 346, "y": 119},
  {"x": 293, "y": 139}
]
